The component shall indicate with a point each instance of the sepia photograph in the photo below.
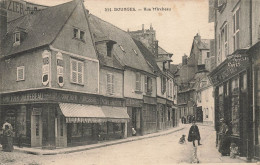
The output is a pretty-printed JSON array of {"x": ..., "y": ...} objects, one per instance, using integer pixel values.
[{"x": 129, "y": 82}]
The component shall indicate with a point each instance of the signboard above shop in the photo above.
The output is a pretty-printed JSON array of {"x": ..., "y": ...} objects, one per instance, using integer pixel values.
[{"x": 233, "y": 65}]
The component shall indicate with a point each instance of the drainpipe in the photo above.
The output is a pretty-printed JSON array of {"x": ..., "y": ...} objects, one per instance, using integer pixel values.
[{"x": 250, "y": 136}]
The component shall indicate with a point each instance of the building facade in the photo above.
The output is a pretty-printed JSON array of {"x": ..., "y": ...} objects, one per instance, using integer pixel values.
[{"x": 236, "y": 30}]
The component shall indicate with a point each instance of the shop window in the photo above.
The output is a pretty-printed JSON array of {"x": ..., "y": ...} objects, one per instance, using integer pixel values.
[
  {"x": 110, "y": 84},
  {"x": 110, "y": 127},
  {"x": 77, "y": 68},
  {"x": 244, "y": 77},
  {"x": 103, "y": 128},
  {"x": 169, "y": 115},
  {"x": 138, "y": 82},
  {"x": 61, "y": 125},
  {"x": 236, "y": 28},
  {"x": 20, "y": 73}
]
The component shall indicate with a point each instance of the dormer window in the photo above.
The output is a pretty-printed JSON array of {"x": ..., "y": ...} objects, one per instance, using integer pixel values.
[
  {"x": 78, "y": 34},
  {"x": 121, "y": 47},
  {"x": 17, "y": 38},
  {"x": 109, "y": 49}
]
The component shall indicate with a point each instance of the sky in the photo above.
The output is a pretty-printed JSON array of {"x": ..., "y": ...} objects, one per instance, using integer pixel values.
[{"x": 175, "y": 29}]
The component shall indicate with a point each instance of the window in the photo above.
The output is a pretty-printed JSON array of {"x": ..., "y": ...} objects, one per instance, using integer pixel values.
[
  {"x": 109, "y": 49},
  {"x": 110, "y": 83},
  {"x": 236, "y": 29},
  {"x": 199, "y": 97},
  {"x": 224, "y": 42},
  {"x": 148, "y": 84},
  {"x": 208, "y": 55},
  {"x": 75, "y": 35},
  {"x": 20, "y": 73},
  {"x": 163, "y": 84},
  {"x": 138, "y": 82},
  {"x": 77, "y": 68},
  {"x": 78, "y": 34},
  {"x": 206, "y": 113},
  {"x": 17, "y": 38}
]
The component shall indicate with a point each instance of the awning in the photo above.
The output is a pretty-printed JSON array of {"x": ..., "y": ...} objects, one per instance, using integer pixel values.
[{"x": 78, "y": 113}]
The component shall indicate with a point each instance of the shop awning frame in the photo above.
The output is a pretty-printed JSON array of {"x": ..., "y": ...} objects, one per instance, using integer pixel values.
[{"x": 79, "y": 113}]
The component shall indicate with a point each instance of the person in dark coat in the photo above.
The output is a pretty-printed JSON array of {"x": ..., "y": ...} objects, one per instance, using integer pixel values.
[
  {"x": 224, "y": 140},
  {"x": 194, "y": 133},
  {"x": 8, "y": 139}
]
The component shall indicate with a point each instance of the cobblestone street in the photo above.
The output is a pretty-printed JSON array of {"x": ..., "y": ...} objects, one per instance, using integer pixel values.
[{"x": 158, "y": 150}]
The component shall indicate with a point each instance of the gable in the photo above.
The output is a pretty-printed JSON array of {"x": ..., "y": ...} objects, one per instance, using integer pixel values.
[{"x": 66, "y": 40}]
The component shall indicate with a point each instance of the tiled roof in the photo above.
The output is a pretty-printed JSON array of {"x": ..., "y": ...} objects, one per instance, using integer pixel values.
[
  {"x": 149, "y": 57},
  {"x": 40, "y": 28},
  {"x": 126, "y": 56},
  {"x": 162, "y": 51}
]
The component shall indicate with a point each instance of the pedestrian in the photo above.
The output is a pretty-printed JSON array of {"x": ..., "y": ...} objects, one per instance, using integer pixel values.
[
  {"x": 133, "y": 132},
  {"x": 7, "y": 122},
  {"x": 194, "y": 134},
  {"x": 8, "y": 139},
  {"x": 224, "y": 141}
]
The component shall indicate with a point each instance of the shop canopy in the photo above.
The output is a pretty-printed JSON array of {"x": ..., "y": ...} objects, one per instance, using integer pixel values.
[{"x": 78, "y": 113}]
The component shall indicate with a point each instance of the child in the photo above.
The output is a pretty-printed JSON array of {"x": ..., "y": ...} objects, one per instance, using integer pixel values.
[{"x": 182, "y": 140}]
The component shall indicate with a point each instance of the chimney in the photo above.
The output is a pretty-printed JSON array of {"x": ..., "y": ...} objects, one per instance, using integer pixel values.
[
  {"x": 197, "y": 37},
  {"x": 184, "y": 59},
  {"x": 3, "y": 20},
  {"x": 156, "y": 48},
  {"x": 151, "y": 27},
  {"x": 143, "y": 28}
]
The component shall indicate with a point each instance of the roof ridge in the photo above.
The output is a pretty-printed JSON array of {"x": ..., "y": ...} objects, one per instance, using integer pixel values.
[{"x": 110, "y": 24}]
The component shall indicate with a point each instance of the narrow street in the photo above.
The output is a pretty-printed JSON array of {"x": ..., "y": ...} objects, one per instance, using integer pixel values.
[{"x": 158, "y": 150}]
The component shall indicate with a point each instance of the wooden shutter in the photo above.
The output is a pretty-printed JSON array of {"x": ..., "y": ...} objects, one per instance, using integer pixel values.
[
  {"x": 80, "y": 72},
  {"x": 74, "y": 71}
]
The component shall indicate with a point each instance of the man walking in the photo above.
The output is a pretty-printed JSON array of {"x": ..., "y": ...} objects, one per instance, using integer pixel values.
[{"x": 194, "y": 134}]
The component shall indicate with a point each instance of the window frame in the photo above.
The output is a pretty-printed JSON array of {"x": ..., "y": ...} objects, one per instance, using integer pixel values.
[
  {"x": 77, "y": 72},
  {"x": 77, "y": 34},
  {"x": 236, "y": 28},
  {"x": 111, "y": 84},
  {"x": 17, "y": 42},
  {"x": 17, "y": 71},
  {"x": 137, "y": 74}
]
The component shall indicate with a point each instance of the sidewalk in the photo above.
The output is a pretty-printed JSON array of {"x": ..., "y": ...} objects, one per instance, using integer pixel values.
[{"x": 40, "y": 151}]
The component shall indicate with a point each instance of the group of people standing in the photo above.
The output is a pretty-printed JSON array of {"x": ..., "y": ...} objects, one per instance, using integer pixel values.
[
  {"x": 7, "y": 137},
  {"x": 187, "y": 119}
]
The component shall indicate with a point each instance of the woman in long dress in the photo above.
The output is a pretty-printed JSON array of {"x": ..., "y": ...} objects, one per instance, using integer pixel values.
[
  {"x": 224, "y": 141},
  {"x": 8, "y": 139}
]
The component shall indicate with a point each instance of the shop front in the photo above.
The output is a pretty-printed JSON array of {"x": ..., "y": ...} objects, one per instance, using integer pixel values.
[
  {"x": 231, "y": 81},
  {"x": 149, "y": 115},
  {"x": 51, "y": 119},
  {"x": 134, "y": 110}
]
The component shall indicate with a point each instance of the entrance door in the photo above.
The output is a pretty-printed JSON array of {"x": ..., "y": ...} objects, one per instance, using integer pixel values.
[{"x": 36, "y": 128}]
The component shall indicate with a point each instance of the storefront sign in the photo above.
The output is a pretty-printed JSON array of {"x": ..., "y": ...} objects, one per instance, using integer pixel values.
[
  {"x": 35, "y": 96},
  {"x": 150, "y": 100},
  {"x": 134, "y": 102},
  {"x": 112, "y": 102},
  {"x": 232, "y": 66},
  {"x": 89, "y": 99},
  {"x": 14, "y": 6}
]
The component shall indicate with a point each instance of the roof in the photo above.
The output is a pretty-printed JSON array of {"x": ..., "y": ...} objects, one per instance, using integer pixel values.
[
  {"x": 204, "y": 44},
  {"x": 162, "y": 51},
  {"x": 41, "y": 28},
  {"x": 127, "y": 57},
  {"x": 149, "y": 57},
  {"x": 173, "y": 68}
]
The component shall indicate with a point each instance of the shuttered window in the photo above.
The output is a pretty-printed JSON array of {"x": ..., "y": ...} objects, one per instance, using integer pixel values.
[
  {"x": 138, "y": 82},
  {"x": 110, "y": 83},
  {"x": 148, "y": 84},
  {"x": 77, "y": 69},
  {"x": 20, "y": 73}
]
